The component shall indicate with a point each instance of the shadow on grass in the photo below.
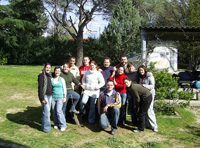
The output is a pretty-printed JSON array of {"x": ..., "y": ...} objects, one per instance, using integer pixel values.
[
  {"x": 10, "y": 144},
  {"x": 32, "y": 117}
]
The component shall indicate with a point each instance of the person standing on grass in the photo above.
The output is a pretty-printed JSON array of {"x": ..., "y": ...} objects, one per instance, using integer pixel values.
[
  {"x": 143, "y": 98},
  {"x": 106, "y": 71},
  {"x": 149, "y": 83},
  {"x": 59, "y": 97},
  {"x": 109, "y": 106},
  {"x": 92, "y": 82},
  {"x": 121, "y": 88},
  {"x": 45, "y": 96}
]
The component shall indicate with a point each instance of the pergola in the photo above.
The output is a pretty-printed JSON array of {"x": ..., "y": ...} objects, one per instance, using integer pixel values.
[{"x": 151, "y": 33}]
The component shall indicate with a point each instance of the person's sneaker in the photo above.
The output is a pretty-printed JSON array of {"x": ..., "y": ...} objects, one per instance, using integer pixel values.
[
  {"x": 55, "y": 127},
  {"x": 155, "y": 129},
  {"x": 114, "y": 131},
  {"x": 62, "y": 129},
  {"x": 46, "y": 131},
  {"x": 138, "y": 131}
]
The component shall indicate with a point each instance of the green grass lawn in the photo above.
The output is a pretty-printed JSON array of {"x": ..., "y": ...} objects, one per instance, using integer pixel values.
[{"x": 21, "y": 113}]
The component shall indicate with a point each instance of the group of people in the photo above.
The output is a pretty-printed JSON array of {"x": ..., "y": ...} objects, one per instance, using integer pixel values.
[{"x": 107, "y": 88}]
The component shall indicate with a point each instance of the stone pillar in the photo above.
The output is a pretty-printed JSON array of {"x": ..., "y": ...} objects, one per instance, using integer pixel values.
[{"x": 144, "y": 44}]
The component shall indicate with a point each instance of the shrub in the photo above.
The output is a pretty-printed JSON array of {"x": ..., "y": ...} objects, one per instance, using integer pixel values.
[{"x": 168, "y": 92}]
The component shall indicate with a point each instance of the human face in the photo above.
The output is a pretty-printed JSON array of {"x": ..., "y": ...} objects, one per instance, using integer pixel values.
[
  {"x": 106, "y": 63},
  {"x": 124, "y": 60},
  {"x": 131, "y": 68},
  {"x": 72, "y": 62},
  {"x": 127, "y": 83},
  {"x": 57, "y": 72},
  {"x": 92, "y": 66},
  {"x": 120, "y": 70},
  {"x": 65, "y": 68},
  {"x": 48, "y": 68},
  {"x": 86, "y": 61},
  {"x": 110, "y": 86},
  {"x": 141, "y": 71}
]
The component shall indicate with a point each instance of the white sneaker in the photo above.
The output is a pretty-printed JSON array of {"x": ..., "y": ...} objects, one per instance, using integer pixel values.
[
  {"x": 155, "y": 129},
  {"x": 55, "y": 127},
  {"x": 62, "y": 129}
]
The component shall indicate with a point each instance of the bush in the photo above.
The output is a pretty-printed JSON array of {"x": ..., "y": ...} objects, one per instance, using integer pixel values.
[{"x": 168, "y": 92}]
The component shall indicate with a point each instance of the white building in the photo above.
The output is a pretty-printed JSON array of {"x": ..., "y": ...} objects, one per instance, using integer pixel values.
[{"x": 165, "y": 57}]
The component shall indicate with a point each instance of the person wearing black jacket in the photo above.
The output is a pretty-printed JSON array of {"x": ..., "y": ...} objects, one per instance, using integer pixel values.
[{"x": 45, "y": 96}]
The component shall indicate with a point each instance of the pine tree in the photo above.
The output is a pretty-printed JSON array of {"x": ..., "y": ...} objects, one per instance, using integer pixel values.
[{"x": 121, "y": 36}]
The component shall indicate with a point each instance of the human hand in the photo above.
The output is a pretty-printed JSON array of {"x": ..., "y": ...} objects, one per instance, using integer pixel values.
[
  {"x": 64, "y": 100},
  {"x": 100, "y": 70},
  {"x": 115, "y": 82},
  {"x": 105, "y": 109},
  {"x": 114, "y": 68},
  {"x": 44, "y": 102},
  {"x": 83, "y": 87}
]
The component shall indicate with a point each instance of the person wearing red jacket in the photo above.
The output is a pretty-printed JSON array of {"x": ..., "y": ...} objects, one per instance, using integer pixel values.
[{"x": 121, "y": 88}]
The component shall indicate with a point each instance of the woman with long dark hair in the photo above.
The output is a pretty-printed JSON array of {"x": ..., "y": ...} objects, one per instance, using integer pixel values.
[
  {"x": 45, "y": 96},
  {"x": 149, "y": 83}
]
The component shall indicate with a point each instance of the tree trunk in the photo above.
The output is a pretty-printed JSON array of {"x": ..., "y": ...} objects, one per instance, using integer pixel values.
[{"x": 79, "y": 43}]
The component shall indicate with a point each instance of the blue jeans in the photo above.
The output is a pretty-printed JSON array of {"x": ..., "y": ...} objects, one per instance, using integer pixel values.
[
  {"x": 58, "y": 116},
  {"x": 104, "y": 118},
  {"x": 75, "y": 98},
  {"x": 91, "y": 116},
  {"x": 46, "y": 123},
  {"x": 123, "y": 107}
]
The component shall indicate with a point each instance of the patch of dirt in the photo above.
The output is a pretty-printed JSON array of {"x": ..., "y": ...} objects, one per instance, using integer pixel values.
[
  {"x": 2, "y": 119},
  {"x": 14, "y": 110},
  {"x": 18, "y": 97},
  {"x": 196, "y": 112}
]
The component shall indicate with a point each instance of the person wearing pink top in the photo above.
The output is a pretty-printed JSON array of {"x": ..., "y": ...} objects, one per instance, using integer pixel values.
[{"x": 121, "y": 88}]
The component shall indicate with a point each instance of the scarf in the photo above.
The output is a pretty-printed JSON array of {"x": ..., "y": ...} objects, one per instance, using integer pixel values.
[{"x": 45, "y": 80}]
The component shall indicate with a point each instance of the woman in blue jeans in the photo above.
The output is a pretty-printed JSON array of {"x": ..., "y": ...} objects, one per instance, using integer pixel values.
[
  {"x": 45, "y": 96},
  {"x": 59, "y": 97},
  {"x": 92, "y": 82}
]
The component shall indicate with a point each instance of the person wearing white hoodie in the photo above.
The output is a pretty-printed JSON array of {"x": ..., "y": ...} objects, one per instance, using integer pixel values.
[{"x": 92, "y": 82}]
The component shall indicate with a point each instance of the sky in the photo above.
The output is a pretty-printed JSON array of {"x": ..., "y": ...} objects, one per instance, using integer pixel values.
[{"x": 96, "y": 26}]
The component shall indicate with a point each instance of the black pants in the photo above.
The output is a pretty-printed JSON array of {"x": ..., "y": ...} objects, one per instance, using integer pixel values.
[{"x": 144, "y": 106}]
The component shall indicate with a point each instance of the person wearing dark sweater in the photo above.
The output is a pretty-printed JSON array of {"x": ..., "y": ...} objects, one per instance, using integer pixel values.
[
  {"x": 106, "y": 71},
  {"x": 143, "y": 98},
  {"x": 45, "y": 96},
  {"x": 134, "y": 76},
  {"x": 121, "y": 88},
  {"x": 109, "y": 106},
  {"x": 71, "y": 94}
]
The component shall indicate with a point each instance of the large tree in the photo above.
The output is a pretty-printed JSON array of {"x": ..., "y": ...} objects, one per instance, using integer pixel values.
[
  {"x": 74, "y": 16},
  {"x": 21, "y": 21},
  {"x": 121, "y": 36}
]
